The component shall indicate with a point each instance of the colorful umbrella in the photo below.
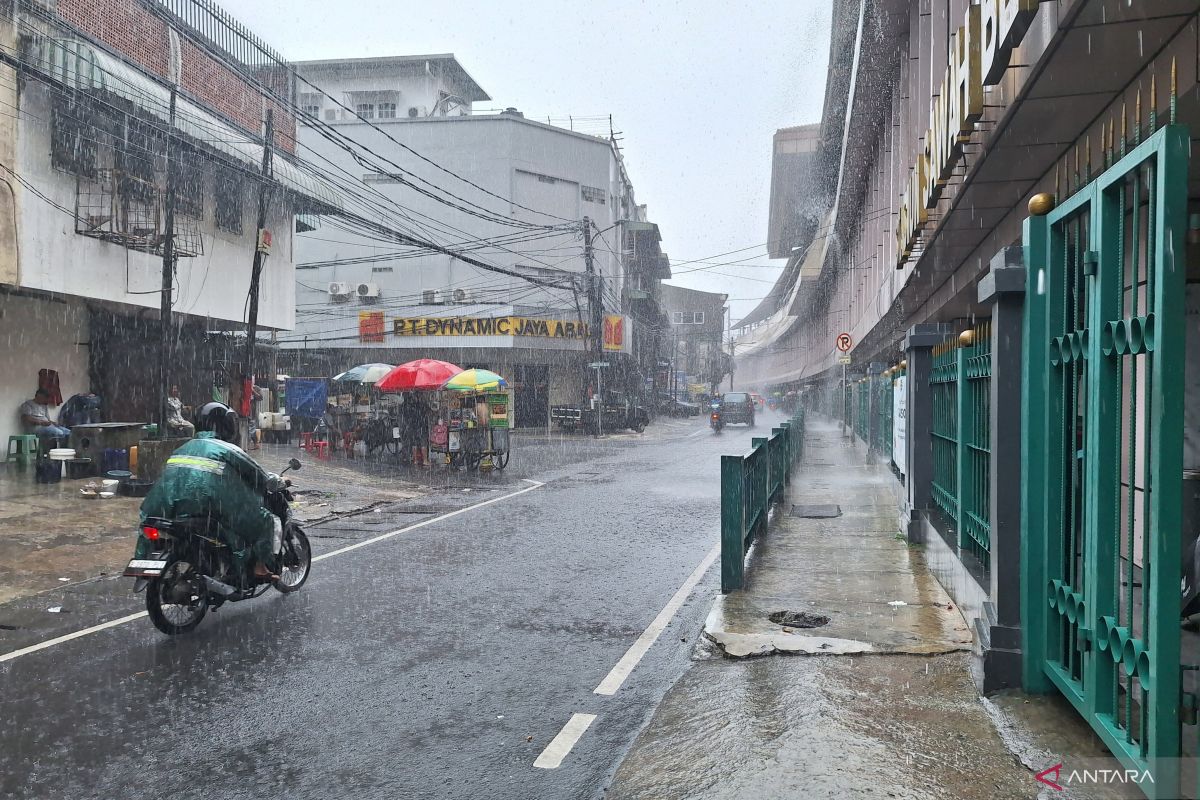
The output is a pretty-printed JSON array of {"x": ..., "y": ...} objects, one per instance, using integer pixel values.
[
  {"x": 476, "y": 380},
  {"x": 364, "y": 373},
  {"x": 424, "y": 374}
]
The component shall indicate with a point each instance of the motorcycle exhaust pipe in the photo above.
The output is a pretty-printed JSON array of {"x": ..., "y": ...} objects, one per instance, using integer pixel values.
[{"x": 216, "y": 587}]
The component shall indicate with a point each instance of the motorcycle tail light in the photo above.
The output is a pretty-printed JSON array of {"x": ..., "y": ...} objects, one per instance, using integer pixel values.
[{"x": 151, "y": 533}]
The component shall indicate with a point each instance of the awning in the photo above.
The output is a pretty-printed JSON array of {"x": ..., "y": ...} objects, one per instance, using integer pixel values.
[{"x": 81, "y": 66}]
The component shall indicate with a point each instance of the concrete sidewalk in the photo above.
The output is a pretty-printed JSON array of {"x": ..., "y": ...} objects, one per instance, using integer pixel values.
[
  {"x": 878, "y": 702},
  {"x": 833, "y": 552}
]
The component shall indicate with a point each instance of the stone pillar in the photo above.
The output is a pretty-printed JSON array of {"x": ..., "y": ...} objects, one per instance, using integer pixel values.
[
  {"x": 1004, "y": 289},
  {"x": 918, "y": 471}
]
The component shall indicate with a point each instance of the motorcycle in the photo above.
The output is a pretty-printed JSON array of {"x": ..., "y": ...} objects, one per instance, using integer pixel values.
[
  {"x": 187, "y": 569},
  {"x": 715, "y": 420}
]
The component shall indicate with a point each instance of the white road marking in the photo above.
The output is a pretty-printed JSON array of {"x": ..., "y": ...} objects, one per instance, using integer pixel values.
[
  {"x": 697, "y": 433},
  {"x": 422, "y": 524},
  {"x": 112, "y": 623},
  {"x": 552, "y": 757},
  {"x": 612, "y": 682},
  {"x": 33, "y": 648}
]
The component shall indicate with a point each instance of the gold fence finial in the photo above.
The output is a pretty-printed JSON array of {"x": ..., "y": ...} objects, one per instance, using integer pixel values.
[
  {"x": 1124, "y": 125},
  {"x": 1153, "y": 102},
  {"x": 1137, "y": 117},
  {"x": 1174, "y": 90}
]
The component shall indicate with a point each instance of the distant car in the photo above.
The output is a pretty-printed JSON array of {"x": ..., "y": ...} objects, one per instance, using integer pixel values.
[
  {"x": 674, "y": 407},
  {"x": 737, "y": 407},
  {"x": 759, "y": 400}
]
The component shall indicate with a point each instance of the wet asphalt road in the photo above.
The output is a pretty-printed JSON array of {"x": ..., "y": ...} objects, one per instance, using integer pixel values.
[{"x": 414, "y": 667}]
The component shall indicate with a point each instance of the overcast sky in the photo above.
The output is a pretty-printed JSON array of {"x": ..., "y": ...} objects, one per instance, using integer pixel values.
[{"x": 696, "y": 88}]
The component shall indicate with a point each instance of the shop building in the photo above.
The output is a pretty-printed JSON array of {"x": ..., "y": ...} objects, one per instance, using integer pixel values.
[
  {"x": 1000, "y": 303},
  {"x": 694, "y": 347},
  {"x": 518, "y": 194},
  {"x": 83, "y": 195}
]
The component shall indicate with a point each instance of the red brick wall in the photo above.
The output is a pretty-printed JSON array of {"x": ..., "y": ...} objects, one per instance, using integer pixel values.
[{"x": 131, "y": 29}]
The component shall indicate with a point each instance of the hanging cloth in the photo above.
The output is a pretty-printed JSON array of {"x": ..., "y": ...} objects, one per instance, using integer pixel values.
[{"x": 48, "y": 380}]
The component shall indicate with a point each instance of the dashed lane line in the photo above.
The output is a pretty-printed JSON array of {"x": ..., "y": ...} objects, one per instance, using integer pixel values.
[
  {"x": 612, "y": 682},
  {"x": 566, "y": 739},
  {"x": 552, "y": 757}
]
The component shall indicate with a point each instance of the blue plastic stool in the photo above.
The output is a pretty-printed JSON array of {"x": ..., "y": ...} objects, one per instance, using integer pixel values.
[{"x": 26, "y": 450}]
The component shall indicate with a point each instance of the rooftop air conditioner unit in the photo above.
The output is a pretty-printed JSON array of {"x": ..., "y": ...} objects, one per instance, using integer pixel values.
[
  {"x": 445, "y": 297},
  {"x": 429, "y": 297},
  {"x": 340, "y": 292},
  {"x": 368, "y": 292},
  {"x": 415, "y": 111},
  {"x": 462, "y": 296}
]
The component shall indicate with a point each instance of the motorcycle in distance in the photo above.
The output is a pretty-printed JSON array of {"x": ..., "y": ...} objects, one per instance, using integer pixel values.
[
  {"x": 186, "y": 569},
  {"x": 715, "y": 420}
]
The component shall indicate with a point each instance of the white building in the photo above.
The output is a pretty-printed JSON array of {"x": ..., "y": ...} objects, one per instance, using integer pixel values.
[
  {"x": 82, "y": 211},
  {"x": 508, "y": 190}
]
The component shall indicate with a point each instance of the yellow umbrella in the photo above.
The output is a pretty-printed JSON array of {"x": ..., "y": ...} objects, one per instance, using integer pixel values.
[{"x": 476, "y": 380}]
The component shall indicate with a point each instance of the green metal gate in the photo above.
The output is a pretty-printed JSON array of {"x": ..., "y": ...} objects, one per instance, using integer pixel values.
[{"x": 1103, "y": 417}]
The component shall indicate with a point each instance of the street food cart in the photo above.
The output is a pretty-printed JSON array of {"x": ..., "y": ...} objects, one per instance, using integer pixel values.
[{"x": 473, "y": 429}]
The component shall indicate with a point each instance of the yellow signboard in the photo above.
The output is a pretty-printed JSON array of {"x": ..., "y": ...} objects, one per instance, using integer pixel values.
[{"x": 490, "y": 326}]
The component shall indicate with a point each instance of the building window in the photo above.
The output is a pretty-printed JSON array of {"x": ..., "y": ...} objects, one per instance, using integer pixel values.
[
  {"x": 189, "y": 185},
  {"x": 593, "y": 195},
  {"x": 73, "y": 143},
  {"x": 387, "y": 110},
  {"x": 330, "y": 114},
  {"x": 381, "y": 269},
  {"x": 229, "y": 204},
  {"x": 365, "y": 110},
  {"x": 687, "y": 317},
  {"x": 312, "y": 111}
]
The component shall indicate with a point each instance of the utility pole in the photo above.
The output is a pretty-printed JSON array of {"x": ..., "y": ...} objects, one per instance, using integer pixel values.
[
  {"x": 256, "y": 270},
  {"x": 595, "y": 305},
  {"x": 168, "y": 275}
]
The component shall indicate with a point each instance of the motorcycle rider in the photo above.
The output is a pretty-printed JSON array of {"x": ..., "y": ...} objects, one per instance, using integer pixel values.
[{"x": 207, "y": 477}]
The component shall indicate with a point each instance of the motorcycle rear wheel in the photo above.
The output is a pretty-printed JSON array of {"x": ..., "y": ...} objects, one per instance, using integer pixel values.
[
  {"x": 164, "y": 594},
  {"x": 295, "y": 562}
]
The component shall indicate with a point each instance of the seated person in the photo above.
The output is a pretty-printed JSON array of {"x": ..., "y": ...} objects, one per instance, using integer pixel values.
[
  {"x": 218, "y": 418},
  {"x": 80, "y": 409},
  {"x": 35, "y": 417},
  {"x": 176, "y": 424}
]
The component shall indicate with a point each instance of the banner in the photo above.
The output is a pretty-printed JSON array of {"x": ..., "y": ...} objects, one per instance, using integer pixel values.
[
  {"x": 489, "y": 326},
  {"x": 614, "y": 332},
  {"x": 899, "y": 421}
]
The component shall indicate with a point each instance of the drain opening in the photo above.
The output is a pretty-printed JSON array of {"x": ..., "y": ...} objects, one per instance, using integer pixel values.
[
  {"x": 10, "y": 627},
  {"x": 822, "y": 511},
  {"x": 798, "y": 619}
]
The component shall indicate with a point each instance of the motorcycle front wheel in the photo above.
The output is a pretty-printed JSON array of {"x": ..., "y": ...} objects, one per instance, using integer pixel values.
[
  {"x": 295, "y": 562},
  {"x": 178, "y": 599}
]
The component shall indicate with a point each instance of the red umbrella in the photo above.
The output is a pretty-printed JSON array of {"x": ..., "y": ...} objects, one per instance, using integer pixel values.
[{"x": 422, "y": 374}]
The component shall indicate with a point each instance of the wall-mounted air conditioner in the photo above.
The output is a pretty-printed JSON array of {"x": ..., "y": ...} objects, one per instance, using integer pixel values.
[
  {"x": 463, "y": 296},
  {"x": 429, "y": 297},
  {"x": 417, "y": 111},
  {"x": 368, "y": 292},
  {"x": 340, "y": 292}
]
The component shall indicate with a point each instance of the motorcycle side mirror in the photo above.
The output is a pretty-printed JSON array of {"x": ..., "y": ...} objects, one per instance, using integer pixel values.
[{"x": 294, "y": 464}]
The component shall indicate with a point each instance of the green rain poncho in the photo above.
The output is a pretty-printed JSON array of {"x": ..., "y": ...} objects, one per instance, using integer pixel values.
[{"x": 209, "y": 477}]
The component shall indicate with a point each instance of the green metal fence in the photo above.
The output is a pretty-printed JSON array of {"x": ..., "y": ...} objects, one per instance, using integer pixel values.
[
  {"x": 750, "y": 485},
  {"x": 975, "y": 384},
  {"x": 1102, "y": 410},
  {"x": 882, "y": 438},
  {"x": 862, "y": 417},
  {"x": 943, "y": 388},
  {"x": 960, "y": 388}
]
